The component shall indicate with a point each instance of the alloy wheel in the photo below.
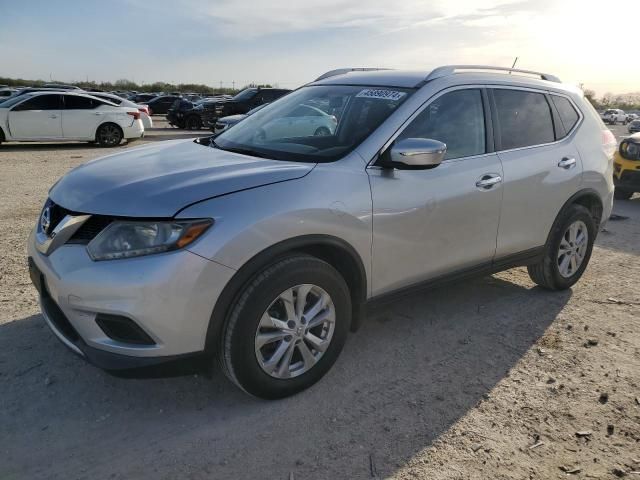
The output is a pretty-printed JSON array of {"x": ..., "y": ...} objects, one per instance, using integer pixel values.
[
  {"x": 573, "y": 248},
  {"x": 109, "y": 135},
  {"x": 295, "y": 331}
]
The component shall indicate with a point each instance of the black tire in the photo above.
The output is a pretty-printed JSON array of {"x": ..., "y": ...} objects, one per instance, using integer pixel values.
[
  {"x": 109, "y": 135},
  {"x": 2, "y": 137},
  {"x": 193, "y": 123},
  {"x": 622, "y": 193},
  {"x": 237, "y": 354},
  {"x": 546, "y": 273},
  {"x": 322, "y": 132}
]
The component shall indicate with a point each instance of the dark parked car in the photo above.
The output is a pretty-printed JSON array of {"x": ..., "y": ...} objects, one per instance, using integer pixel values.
[
  {"x": 181, "y": 115},
  {"x": 142, "y": 97},
  {"x": 189, "y": 114},
  {"x": 161, "y": 105},
  {"x": 246, "y": 100},
  {"x": 224, "y": 123}
]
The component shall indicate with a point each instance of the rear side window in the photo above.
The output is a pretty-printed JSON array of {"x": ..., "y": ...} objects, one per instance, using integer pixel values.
[
  {"x": 524, "y": 117},
  {"x": 40, "y": 102},
  {"x": 71, "y": 102},
  {"x": 568, "y": 115},
  {"x": 456, "y": 119}
]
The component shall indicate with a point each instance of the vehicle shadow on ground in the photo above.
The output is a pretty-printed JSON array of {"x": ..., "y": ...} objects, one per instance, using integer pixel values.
[
  {"x": 620, "y": 232},
  {"x": 415, "y": 368}
]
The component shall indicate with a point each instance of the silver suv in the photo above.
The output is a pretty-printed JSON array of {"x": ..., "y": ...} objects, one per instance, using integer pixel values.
[{"x": 263, "y": 246}]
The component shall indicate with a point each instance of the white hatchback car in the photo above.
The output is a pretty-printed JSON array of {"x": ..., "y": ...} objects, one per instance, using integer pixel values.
[{"x": 64, "y": 116}]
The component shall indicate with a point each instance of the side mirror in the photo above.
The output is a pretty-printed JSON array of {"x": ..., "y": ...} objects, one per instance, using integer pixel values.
[{"x": 418, "y": 152}]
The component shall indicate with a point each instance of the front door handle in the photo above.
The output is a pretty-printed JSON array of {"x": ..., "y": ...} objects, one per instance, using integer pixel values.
[
  {"x": 97, "y": 113},
  {"x": 488, "y": 180},
  {"x": 567, "y": 163},
  {"x": 53, "y": 116}
]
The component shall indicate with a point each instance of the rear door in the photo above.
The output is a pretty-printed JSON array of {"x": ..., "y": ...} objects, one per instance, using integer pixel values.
[
  {"x": 542, "y": 166},
  {"x": 81, "y": 116},
  {"x": 38, "y": 118}
]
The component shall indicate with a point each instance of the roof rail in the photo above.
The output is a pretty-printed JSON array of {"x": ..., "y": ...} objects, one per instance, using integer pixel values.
[
  {"x": 451, "y": 69},
  {"x": 341, "y": 71}
]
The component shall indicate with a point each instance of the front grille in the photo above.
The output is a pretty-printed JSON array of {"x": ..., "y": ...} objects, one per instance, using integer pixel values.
[
  {"x": 57, "y": 213},
  {"x": 90, "y": 229}
]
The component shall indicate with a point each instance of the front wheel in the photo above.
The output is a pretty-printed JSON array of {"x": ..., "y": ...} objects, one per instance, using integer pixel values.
[
  {"x": 109, "y": 135},
  {"x": 287, "y": 327},
  {"x": 568, "y": 250},
  {"x": 193, "y": 123}
]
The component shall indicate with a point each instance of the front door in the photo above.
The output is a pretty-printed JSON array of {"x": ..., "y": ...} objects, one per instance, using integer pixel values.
[
  {"x": 427, "y": 223},
  {"x": 38, "y": 118}
]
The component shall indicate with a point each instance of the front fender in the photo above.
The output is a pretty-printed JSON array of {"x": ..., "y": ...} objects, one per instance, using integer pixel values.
[{"x": 333, "y": 200}]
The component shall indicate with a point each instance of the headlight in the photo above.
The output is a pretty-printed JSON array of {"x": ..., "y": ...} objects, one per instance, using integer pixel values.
[{"x": 125, "y": 239}]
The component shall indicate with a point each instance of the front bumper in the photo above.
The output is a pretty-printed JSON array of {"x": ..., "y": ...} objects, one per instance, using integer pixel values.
[
  {"x": 169, "y": 296},
  {"x": 626, "y": 173}
]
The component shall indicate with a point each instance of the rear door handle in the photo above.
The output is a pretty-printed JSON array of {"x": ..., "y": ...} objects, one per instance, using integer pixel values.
[
  {"x": 567, "y": 163},
  {"x": 53, "y": 116},
  {"x": 488, "y": 180},
  {"x": 97, "y": 113}
]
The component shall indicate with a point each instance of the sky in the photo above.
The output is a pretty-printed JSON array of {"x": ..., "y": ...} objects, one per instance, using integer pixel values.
[{"x": 289, "y": 43}]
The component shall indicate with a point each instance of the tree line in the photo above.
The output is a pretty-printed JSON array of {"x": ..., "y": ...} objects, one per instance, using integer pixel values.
[
  {"x": 129, "y": 85},
  {"x": 627, "y": 101}
]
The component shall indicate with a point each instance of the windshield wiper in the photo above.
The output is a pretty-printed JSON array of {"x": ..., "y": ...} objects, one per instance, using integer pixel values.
[{"x": 243, "y": 151}]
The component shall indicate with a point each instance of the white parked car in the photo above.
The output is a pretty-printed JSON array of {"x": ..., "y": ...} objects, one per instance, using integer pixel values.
[
  {"x": 302, "y": 121},
  {"x": 64, "y": 116},
  {"x": 122, "y": 102},
  {"x": 613, "y": 116}
]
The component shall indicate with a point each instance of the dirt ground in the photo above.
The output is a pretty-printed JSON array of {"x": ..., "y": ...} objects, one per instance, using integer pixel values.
[{"x": 488, "y": 379}]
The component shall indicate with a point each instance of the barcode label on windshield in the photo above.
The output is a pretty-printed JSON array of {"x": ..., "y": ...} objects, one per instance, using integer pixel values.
[{"x": 381, "y": 94}]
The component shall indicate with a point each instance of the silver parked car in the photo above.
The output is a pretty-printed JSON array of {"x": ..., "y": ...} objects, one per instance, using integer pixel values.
[{"x": 264, "y": 252}]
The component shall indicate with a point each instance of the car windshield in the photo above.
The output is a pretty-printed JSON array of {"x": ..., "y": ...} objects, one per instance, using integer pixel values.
[{"x": 314, "y": 124}]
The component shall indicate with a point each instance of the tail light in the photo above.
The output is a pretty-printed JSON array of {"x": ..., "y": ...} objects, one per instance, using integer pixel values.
[
  {"x": 135, "y": 115},
  {"x": 609, "y": 142},
  {"x": 144, "y": 109},
  {"x": 150, "y": 110}
]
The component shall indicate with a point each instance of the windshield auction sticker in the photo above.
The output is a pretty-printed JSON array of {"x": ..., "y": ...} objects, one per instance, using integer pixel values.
[{"x": 381, "y": 94}]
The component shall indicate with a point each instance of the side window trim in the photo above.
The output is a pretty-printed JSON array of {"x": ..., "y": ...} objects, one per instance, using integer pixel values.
[
  {"x": 425, "y": 105},
  {"x": 558, "y": 126}
]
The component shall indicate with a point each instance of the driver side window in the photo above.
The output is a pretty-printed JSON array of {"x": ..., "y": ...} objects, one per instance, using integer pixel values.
[{"x": 456, "y": 119}]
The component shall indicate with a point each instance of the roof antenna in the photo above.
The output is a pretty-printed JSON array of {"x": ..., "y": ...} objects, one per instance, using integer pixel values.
[{"x": 514, "y": 65}]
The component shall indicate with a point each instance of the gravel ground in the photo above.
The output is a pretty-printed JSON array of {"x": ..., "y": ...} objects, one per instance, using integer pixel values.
[{"x": 490, "y": 378}]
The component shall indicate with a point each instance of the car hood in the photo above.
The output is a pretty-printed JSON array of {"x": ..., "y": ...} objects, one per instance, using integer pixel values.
[{"x": 161, "y": 179}]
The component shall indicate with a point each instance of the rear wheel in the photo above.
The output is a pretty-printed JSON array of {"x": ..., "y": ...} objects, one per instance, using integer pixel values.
[
  {"x": 109, "y": 135},
  {"x": 622, "y": 193},
  {"x": 568, "y": 251},
  {"x": 193, "y": 123},
  {"x": 287, "y": 327}
]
